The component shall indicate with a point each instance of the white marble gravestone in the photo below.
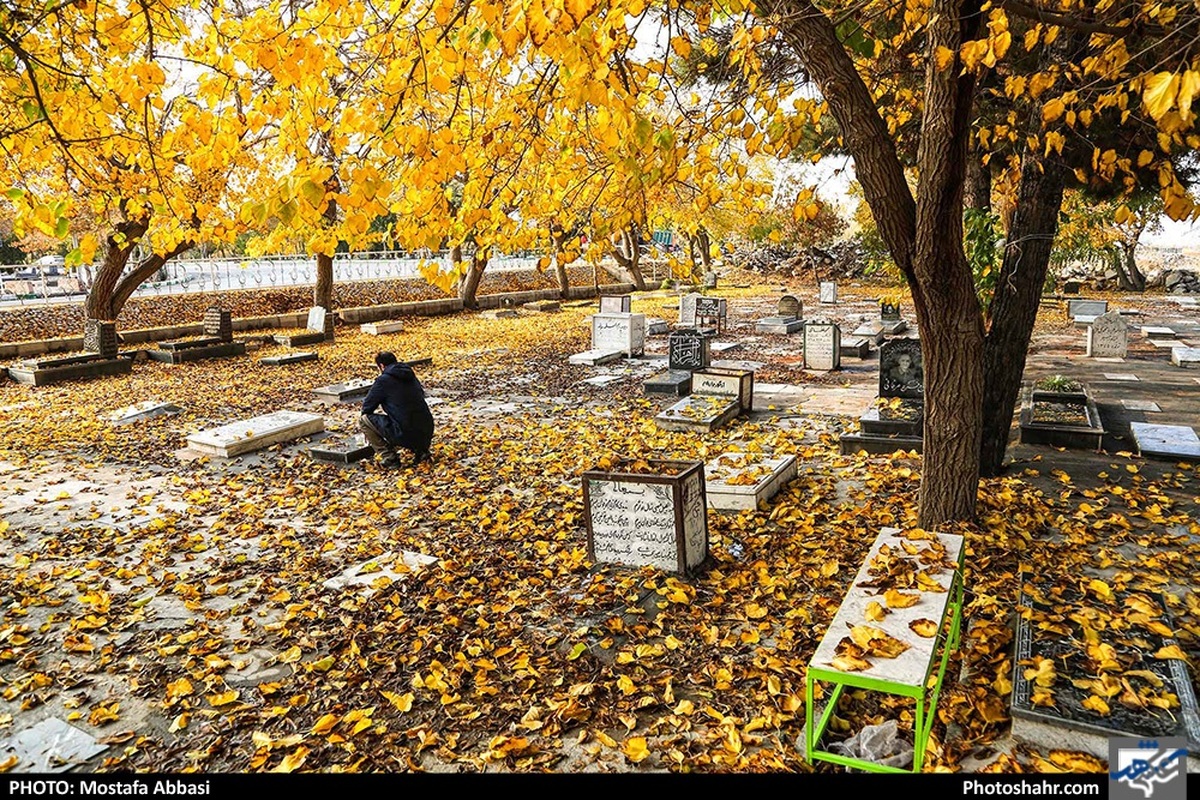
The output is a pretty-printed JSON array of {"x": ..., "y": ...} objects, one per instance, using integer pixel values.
[
  {"x": 687, "y": 309},
  {"x": 1108, "y": 336},
  {"x": 615, "y": 304},
  {"x": 1186, "y": 356},
  {"x": 142, "y": 410},
  {"x": 380, "y": 328},
  {"x": 828, "y": 292},
  {"x": 822, "y": 345},
  {"x": 1091, "y": 308},
  {"x": 316, "y": 319},
  {"x": 1166, "y": 441},
  {"x": 256, "y": 433},
  {"x": 619, "y": 331}
]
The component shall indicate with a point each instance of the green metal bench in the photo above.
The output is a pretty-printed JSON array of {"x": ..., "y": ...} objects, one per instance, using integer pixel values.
[{"x": 918, "y": 671}]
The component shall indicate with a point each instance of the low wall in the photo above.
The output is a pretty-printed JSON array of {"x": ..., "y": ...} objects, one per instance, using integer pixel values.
[{"x": 298, "y": 319}]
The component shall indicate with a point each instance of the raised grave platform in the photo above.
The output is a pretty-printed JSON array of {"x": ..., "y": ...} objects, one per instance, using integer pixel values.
[
  {"x": 47, "y": 371},
  {"x": 1186, "y": 357},
  {"x": 499, "y": 313},
  {"x": 1057, "y": 680},
  {"x": 289, "y": 358},
  {"x": 177, "y": 352},
  {"x": 887, "y": 427},
  {"x": 542, "y": 306},
  {"x": 1167, "y": 442},
  {"x": 143, "y": 410},
  {"x": 779, "y": 325},
  {"x": 381, "y": 328},
  {"x": 741, "y": 481},
  {"x": 595, "y": 358},
  {"x": 256, "y": 433},
  {"x": 1069, "y": 420},
  {"x": 353, "y": 389},
  {"x": 672, "y": 381},
  {"x": 299, "y": 339},
  {"x": 856, "y": 347},
  {"x": 698, "y": 413}
]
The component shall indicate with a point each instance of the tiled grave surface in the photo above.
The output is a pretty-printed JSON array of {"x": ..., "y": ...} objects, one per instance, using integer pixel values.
[
  {"x": 1121, "y": 376},
  {"x": 49, "y": 746}
]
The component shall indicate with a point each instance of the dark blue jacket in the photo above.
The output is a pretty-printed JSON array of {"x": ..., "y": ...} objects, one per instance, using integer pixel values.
[{"x": 409, "y": 422}]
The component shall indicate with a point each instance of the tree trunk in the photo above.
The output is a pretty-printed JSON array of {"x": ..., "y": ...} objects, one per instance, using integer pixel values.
[
  {"x": 629, "y": 263},
  {"x": 469, "y": 286},
  {"x": 559, "y": 237},
  {"x": 1127, "y": 258},
  {"x": 950, "y": 318},
  {"x": 1015, "y": 300},
  {"x": 705, "y": 249},
  {"x": 977, "y": 191},
  {"x": 119, "y": 245},
  {"x": 149, "y": 266}
]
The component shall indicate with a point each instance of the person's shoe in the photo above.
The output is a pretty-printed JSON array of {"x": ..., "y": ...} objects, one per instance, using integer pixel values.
[
  {"x": 419, "y": 457},
  {"x": 389, "y": 461}
]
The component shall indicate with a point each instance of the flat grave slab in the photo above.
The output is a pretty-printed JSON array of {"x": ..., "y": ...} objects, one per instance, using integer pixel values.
[
  {"x": 1186, "y": 357},
  {"x": 716, "y": 348},
  {"x": 672, "y": 381},
  {"x": 499, "y": 313},
  {"x": 1084, "y": 320},
  {"x": 1121, "y": 376},
  {"x": 185, "y": 344},
  {"x": 603, "y": 380},
  {"x": 181, "y": 352},
  {"x": 871, "y": 331},
  {"x": 1167, "y": 343},
  {"x": 380, "y": 572},
  {"x": 289, "y": 358},
  {"x": 698, "y": 413},
  {"x": 50, "y": 746},
  {"x": 1067, "y": 714},
  {"x": 779, "y": 396},
  {"x": 894, "y": 326},
  {"x": 342, "y": 449},
  {"x": 596, "y": 357},
  {"x": 1171, "y": 442},
  {"x": 382, "y": 327},
  {"x": 256, "y": 433},
  {"x": 1157, "y": 331},
  {"x": 657, "y": 327},
  {"x": 143, "y": 410},
  {"x": 353, "y": 389},
  {"x": 542, "y": 306},
  {"x": 1140, "y": 405},
  {"x": 741, "y": 481},
  {"x": 1075, "y": 425}
]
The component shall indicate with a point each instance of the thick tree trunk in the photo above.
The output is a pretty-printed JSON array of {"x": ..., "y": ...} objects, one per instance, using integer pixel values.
[
  {"x": 1015, "y": 300},
  {"x": 1127, "y": 266},
  {"x": 559, "y": 237},
  {"x": 628, "y": 257},
  {"x": 950, "y": 319},
  {"x": 149, "y": 266},
  {"x": 468, "y": 288},
  {"x": 119, "y": 245}
]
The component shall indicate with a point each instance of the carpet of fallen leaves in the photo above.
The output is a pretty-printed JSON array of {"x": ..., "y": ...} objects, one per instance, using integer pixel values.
[{"x": 513, "y": 652}]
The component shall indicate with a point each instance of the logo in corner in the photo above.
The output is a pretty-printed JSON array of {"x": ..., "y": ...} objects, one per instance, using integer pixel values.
[{"x": 1141, "y": 769}]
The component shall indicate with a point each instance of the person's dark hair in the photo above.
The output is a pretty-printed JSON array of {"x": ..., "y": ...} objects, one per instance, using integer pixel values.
[{"x": 385, "y": 359}]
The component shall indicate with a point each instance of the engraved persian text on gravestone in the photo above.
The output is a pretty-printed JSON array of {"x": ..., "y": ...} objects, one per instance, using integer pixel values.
[{"x": 633, "y": 523}]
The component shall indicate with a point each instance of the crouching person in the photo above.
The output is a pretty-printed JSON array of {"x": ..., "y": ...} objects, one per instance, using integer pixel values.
[{"x": 407, "y": 422}]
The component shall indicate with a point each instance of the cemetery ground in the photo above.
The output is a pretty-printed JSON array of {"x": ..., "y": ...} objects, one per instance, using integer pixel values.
[{"x": 274, "y": 612}]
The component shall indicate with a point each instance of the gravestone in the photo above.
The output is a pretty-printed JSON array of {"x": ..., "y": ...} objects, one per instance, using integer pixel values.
[
  {"x": 687, "y": 309},
  {"x": 253, "y": 434},
  {"x": 710, "y": 310},
  {"x": 318, "y": 328},
  {"x": 1171, "y": 442},
  {"x": 143, "y": 410},
  {"x": 1090, "y": 308},
  {"x": 100, "y": 336},
  {"x": 822, "y": 345},
  {"x": 710, "y": 280},
  {"x": 1072, "y": 287},
  {"x": 542, "y": 306},
  {"x": 1158, "y": 332},
  {"x": 688, "y": 350},
  {"x": 348, "y": 391},
  {"x": 623, "y": 332},
  {"x": 789, "y": 307},
  {"x": 218, "y": 323},
  {"x": 1108, "y": 336},
  {"x": 889, "y": 312},
  {"x": 870, "y": 330},
  {"x": 828, "y": 292},
  {"x": 735, "y": 384},
  {"x": 856, "y": 347},
  {"x": 499, "y": 313},
  {"x": 1186, "y": 357},
  {"x": 901, "y": 373},
  {"x": 787, "y": 317},
  {"x": 594, "y": 358},
  {"x": 615, "y": 304},
  {"x": 382, "y": 327},
  {"x": 657, "y": 327},
  {"x": 316, "y": 319}
]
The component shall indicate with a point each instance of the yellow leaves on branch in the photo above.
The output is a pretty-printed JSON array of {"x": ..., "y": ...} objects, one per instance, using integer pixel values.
[{"x": 1164, "y": 91}]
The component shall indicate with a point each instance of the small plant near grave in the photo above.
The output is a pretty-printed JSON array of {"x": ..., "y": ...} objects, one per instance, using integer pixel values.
[{"x": 1059, "y": 383}]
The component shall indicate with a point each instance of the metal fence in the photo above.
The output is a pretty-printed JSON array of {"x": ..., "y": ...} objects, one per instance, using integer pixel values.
[{"x": 186, "y": 275}]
